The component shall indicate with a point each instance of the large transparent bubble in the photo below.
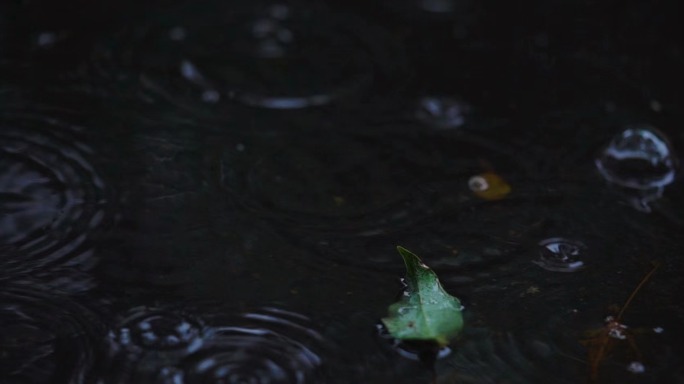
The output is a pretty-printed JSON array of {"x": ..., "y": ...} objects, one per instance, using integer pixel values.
[{"x": 640, "y": 160}]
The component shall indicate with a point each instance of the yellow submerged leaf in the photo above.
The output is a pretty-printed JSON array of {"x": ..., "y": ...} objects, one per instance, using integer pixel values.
[{"x": 489, "y": 186}]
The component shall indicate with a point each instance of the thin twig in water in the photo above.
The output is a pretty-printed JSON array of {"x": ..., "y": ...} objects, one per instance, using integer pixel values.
[{"x": 599, "y": 344}]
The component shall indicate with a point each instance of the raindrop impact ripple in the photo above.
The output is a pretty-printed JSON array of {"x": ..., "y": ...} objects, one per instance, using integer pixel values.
[
  {"x": 269, "y": 345},
  {"x": 46, "y": 338},
  {"x": 52, "y": 198},
  {"x": 561, "y": 255}
]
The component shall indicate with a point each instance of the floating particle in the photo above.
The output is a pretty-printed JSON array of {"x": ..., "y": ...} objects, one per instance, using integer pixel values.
[{"x": 489, "y": 186}]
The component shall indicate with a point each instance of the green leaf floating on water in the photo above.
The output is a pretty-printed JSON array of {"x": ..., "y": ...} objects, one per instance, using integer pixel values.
[{"x": 426, "y": 311}]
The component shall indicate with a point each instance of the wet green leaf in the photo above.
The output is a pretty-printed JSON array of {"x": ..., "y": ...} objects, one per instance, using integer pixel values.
[{"x": 426, "y": 311}]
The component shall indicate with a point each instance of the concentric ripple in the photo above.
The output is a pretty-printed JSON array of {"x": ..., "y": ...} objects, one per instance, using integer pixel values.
[
  {"x": 266, "y": 346},
  {"x": 146, "y": 337},
  {"x": 464, "y": 251},
  {"x": 524, "y": 358},
  {"x": 560, "y": 255},
  {"x": 157, "y": 329},
  {"x": 52, "y": 199},
  {"x": 352, "y": 198},
  {"x": 46, "y": 338},
  {"x": 265, "y": 54},
  {"x": 357, "y": 184}
]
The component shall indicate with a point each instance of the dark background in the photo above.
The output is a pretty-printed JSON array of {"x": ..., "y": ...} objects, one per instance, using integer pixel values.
[{"x": 216, "y": 221}]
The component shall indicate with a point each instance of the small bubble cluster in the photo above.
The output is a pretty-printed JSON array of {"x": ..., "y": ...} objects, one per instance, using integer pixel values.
[{"x": 157, "y": 329}]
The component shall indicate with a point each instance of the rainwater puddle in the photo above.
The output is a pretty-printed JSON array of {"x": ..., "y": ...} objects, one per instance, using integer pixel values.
[{"x": 214, "y": 193}]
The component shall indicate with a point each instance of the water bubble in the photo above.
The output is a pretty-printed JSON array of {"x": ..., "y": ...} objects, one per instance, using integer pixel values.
[
  {"x": 641, "y": 161},
  {"x": 478, "y": 184},
  {"x": 442, "y": 112},
  {"x": 561, "y": 255},
  {"x": 639, "y": 158}
]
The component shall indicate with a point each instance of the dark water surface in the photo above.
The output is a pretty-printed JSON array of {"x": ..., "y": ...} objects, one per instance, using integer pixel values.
[{"x": 212, "y": 192}]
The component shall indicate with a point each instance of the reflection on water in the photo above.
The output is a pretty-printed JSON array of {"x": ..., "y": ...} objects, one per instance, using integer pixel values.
[{"x": 168, "y": 169}]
